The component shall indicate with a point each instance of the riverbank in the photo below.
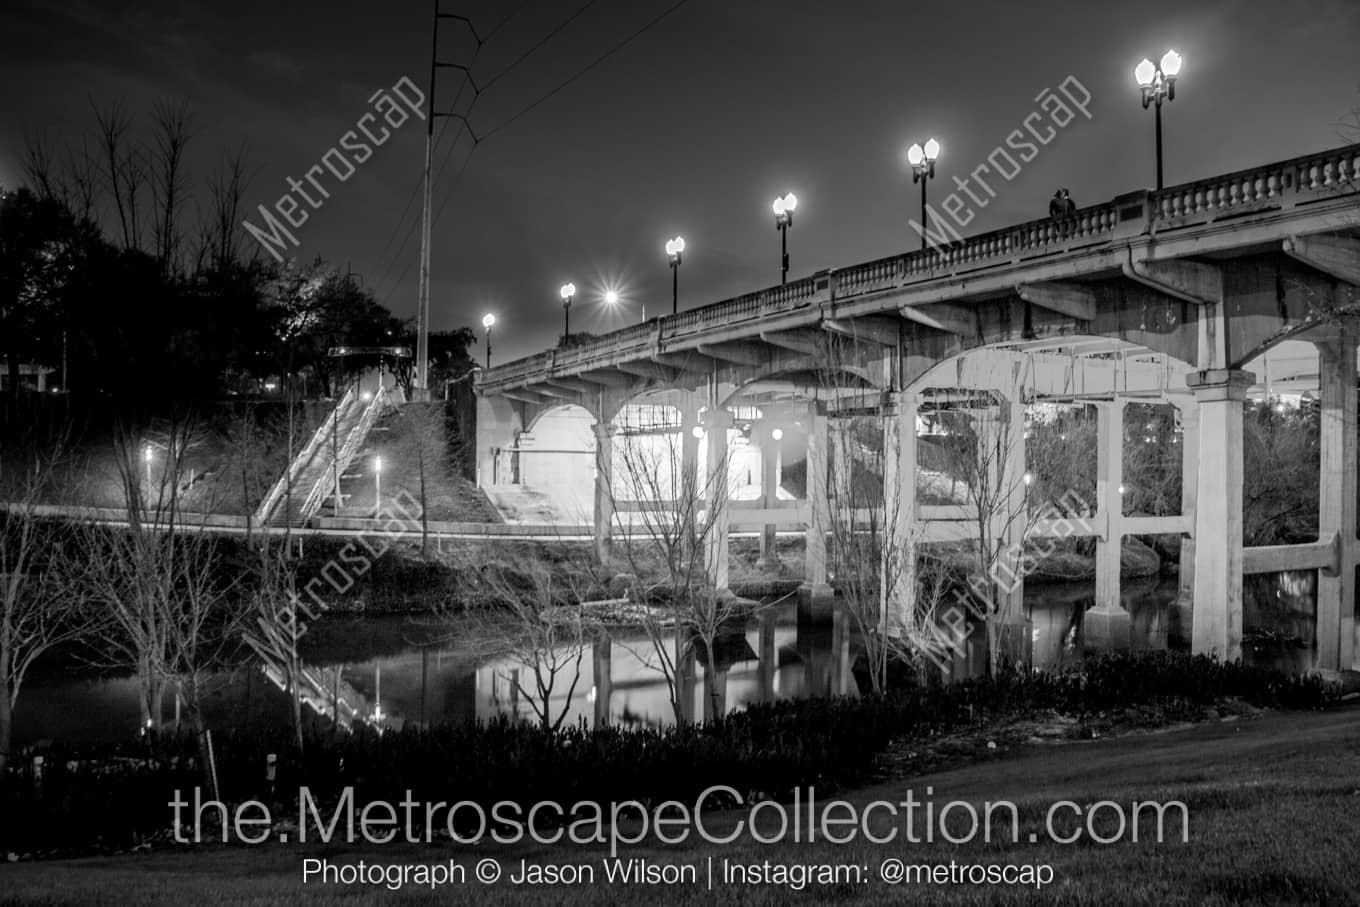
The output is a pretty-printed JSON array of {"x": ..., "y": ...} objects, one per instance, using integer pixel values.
[
  {"x": 113, "y": 795},
  {"x": 1269, "y": 798}
]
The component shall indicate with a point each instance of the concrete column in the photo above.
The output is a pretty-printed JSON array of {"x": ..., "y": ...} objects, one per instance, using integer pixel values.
[
  {"x": 1017, "y": 524},
  {"x": 690, "y": 488},
  {"x": 815, "y": 595},
  {"x": 602, "y": 659},
  {"x": 1217, "y": 620},
  {"x": 1337, "y": 500},
  {"x": 1185, "y": 597},
  {"x": 685, "y": 668},
  {"x": 604, "y": 490},
  {"x": 715, "y": 487},
  {"x": 898, "y": 571},
  {"x": 769, "y": 487},
  {"x": 768, "y": 658},
  {"x": 715, "y": 694},
  {"x": 1106, "y": 624}
]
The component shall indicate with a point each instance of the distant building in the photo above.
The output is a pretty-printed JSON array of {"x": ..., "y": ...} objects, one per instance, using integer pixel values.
[{"x": 32, "y": 376}]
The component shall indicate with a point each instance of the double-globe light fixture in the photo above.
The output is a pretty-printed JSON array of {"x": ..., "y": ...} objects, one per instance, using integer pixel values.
[
  {"x": 1158, "y": 83},
  {"x": 922, "y": 159},
  {"x": 675, "y": 248},
  {"x": 784, "y": 206}
]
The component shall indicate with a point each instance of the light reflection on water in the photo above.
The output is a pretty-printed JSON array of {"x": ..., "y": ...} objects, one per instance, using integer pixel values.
[{"x": 414, "y": 672}]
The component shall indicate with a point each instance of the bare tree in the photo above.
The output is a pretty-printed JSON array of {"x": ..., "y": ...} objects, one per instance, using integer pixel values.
[
  {"x": 273, "y": 626},
  {"x": 123, "y": 170},
  {"x": 170, "y": 138},
  {"x": 666, "y": 513},
  {"x": 986, "y": 441},
  {"x": 542, "y": 627},
  {"x": 37, "y": 608}
]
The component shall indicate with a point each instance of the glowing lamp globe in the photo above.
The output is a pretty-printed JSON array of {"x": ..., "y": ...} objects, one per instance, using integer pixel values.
[{"x": 1144, "y": 73}]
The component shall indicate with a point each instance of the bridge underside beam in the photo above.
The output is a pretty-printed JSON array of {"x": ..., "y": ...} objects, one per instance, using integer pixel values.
[
  {"x": 690, "y": 362},
  {"x": 737, "y": 352},
  {"x": 523, "y": 395},
  {"x": 649, "y": 370},
  {"x": 574, "y": 385},
  {"x": 1190, "y": 281},
  {"x": 944, "y": 316},
  {"x": 1335, "y": 256},
  {"x": 607, "y": 378},
  {"x": 883, "y": 331},
  {"x": 799, "y": 340},
  {"x": 1066, "y": 297}
]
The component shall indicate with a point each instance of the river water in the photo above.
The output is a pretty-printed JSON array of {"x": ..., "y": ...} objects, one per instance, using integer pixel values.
[{"x": 393, "y": 671}]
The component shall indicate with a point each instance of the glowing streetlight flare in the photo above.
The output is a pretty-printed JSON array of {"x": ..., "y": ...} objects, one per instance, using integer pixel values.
[
  {"x": 1171, "y": 64},
  {"x": 932, "y": 150},
  {"x": 777, "y": 434},
  {"x": 611, "y": 297},
  {"x": 488, "y": 320},
  {"x": 568, "y": 290},
  {"x": 377, "y": 464},
  {"x": 915, "y": 155}
]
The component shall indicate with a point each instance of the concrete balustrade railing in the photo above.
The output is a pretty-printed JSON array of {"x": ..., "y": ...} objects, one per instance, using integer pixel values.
[{"x": 1276, "y": 185}]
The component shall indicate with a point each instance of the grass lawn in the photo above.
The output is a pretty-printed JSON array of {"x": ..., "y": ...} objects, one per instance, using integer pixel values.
[{"x": 1274, "y": 806}]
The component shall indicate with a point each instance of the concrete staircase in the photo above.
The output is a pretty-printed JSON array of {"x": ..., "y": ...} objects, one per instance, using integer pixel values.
[{"x": 312, "y": 476}]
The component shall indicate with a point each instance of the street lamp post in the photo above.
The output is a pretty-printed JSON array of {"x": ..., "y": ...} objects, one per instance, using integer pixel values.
[
  {"x": 1158, "y": 83},
  {"x": 567, "y": 292},
  {"x": 922, "y": 162},
  {"x": 783, "y": 219},
  {"x": 674, "y": 248},
  {"x": 487, "y": 321},
  {"x": 146, "y": 458}
]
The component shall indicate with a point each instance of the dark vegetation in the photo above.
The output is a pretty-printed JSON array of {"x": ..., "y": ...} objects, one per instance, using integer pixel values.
[{"x": 116, "y": 796}]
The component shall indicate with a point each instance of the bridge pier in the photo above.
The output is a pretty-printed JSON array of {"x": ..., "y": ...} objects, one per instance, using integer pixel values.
[
  {"x": 1011, "y": 521},
  {"x": 769, "y": 493},
  {"x": 717, "y": 421},
  {"x": 1337, "y": 499},
  {"x": 1217, "y": 621},
  {"x": 604, "y": 491},
  {"x": 602, "y": 661},
  {"x": 1185, "y": 597},
  {"x": 1106, "y": 625},
  {"x": 899, "y": 508},
  {"x": 815, "y": 596}
]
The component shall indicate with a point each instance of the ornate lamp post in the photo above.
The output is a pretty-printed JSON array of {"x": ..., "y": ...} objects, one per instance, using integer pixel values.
[
  {"x": 487, "y": 321},
  {"x": 567, "y": 292},
  {"x": 1158, "y": 83},
  {"x": 674, "y": 248},
  {"x": 922, "y": 160},
  {"x": 783, "y": 219}
]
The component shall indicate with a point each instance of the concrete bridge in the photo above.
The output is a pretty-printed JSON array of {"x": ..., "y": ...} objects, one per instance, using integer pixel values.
[{"x": 1192, "y": 297}]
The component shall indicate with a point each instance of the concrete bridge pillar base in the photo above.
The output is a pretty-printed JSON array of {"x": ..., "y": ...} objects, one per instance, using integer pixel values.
[
  {"x": 1337, "y": 499},
  {"x": 816, "y": 603},
  {"x": 1014, "y": 640},
  {"x": 1105, "y": 628},
  {"x": 1219, "y": 395}
]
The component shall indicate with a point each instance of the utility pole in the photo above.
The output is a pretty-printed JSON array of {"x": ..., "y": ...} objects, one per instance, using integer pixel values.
[
  {"x": 420, "y": 386},
  {"x": 420, "y": 389}
]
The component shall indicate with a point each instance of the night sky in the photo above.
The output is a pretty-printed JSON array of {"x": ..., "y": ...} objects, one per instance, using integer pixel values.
[{"x": 692, "y": 128}]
